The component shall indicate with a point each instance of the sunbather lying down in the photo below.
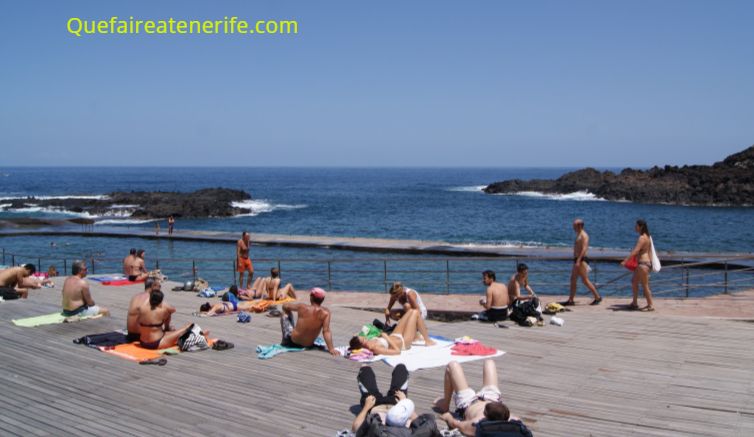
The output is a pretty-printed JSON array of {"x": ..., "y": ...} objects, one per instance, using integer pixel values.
[
  {"x": 269, "y": 288},
  {"x": 399, "y": 340}
]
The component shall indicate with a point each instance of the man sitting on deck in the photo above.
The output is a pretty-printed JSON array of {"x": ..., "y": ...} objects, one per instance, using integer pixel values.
[
  {"x": 312, "y": 319},
  {"x": 127, "y": 261},
  {"x": 132, "y": 320},
  {"x": 495, "y": 302},
  {"x": 12, "y": 282},
  {"x": 76, "y": 298}
]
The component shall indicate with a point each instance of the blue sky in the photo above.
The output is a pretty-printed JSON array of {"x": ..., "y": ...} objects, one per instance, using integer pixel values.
[{"x": 390, "y": 83}]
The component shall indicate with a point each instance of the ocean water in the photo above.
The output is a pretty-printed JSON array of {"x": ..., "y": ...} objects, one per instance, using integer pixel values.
[{"x": 443, "y": 204}]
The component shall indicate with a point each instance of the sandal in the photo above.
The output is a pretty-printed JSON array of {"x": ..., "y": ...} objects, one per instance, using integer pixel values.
[
  {"x": 568, "y": 303},
  {"x": 633, "y": 307},
  {"x": 221, "y": 345},
  {"x": 156, "y": 361},
  {"x": 596, "y": 301},
  {"x": 648, "y": 309}
]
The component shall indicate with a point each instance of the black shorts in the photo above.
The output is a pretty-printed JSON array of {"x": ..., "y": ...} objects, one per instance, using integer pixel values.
[
  {"x": 287, "y": 342},
  {"x": 584, "y": 260},
  {"x": 8, "y": 293},
  {"x": 131, "y": 337},
  {"x": 132, "y": 278},
  {"x": 496, "y": 314}
]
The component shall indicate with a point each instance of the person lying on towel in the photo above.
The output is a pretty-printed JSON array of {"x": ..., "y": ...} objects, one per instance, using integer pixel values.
[
  {"x": 77, "y": 301},
  {"x": 399, "y": 340},
  {"x": 270, "y": 287},
  {"x": 312, "y": 319},
  {"x": 154, "y": 322},
  {"x": 474, "y": 409},
  {"x": 377, "y": 407}
]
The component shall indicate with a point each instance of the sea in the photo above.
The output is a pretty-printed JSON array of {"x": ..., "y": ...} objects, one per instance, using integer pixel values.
[{"x": 441, "y": 204}]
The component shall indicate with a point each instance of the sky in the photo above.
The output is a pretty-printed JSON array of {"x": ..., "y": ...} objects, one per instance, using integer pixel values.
[{"x": 388, "y": 83}]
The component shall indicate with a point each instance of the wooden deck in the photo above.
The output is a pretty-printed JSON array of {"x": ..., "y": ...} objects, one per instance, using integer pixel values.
[{"x": 604, "y": 373}]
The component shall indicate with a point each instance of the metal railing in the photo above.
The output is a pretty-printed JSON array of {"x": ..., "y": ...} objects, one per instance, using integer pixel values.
[{"x": 445, "y": 275}]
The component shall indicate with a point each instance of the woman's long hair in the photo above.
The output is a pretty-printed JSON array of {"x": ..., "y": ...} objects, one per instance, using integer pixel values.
[
  {"x": 155, "y": 298},
  {"x": 643, "y": 229}
]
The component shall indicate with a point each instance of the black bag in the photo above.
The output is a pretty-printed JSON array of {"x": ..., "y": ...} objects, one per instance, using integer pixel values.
[
  {"x": 523, "y": 309},
  {"x": 501, "y": 428},
  {"x": 424, "y": 426},
  {"x": 375, "y": 428},
  {"x": 106, "y": 339}
]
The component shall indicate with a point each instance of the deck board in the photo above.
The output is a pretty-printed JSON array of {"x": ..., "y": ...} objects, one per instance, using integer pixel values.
[{"x": 603, "y": 373}]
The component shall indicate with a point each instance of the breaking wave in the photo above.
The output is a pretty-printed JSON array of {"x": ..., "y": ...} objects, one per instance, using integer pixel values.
[{"x": 261, "y": 206}]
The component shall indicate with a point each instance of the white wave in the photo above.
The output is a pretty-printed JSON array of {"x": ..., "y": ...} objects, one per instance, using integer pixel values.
[
  {"x": 119, "y": 206},
  {"x": 83, "y": 196},
  {"x": 5, "y": 205},
  {"x": 48, "y": 210},
  {"x": 261, "y": 206},
  {"x": 506, "y": 244},
  {"x": 581, "y": 196},
  {"x": 471, "y": 189},
  {"x": 124, "y": 221}
]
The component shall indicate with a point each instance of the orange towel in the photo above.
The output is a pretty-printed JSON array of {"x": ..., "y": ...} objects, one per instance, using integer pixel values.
[
  {"x": 262, "y": 305},
  {"x": 134, "y": 352}
]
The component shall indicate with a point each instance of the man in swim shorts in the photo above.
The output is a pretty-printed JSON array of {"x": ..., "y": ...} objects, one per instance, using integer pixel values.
[
  {"x": 138, "y": 271},
  {"x": 243, "y": 261},
  {"x": 12, "y": 281},
  {"x": 127, "y": 261},
  {"x": 77, "y": 301},
  {"x": 312, "y": 319},
  {"x": 580, "y": 268},
  {"x": 495, "y": 302}
]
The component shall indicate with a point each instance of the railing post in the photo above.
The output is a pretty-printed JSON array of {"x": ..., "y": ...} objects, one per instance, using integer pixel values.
[
  {"x": 92, "y": 262},
  {"x": 157, "y": 263},
  {"x": 234, "y": 273},
  {"x": 447, "y": 276},
  {"x": 39, "y": 265},
  {"x": 384, "y": 273},
  {"x": 193, "y": 269},
  {"x": 329, "y": 276},
  {"x": 726, "y": 278},
  {"x": 686, "y": 269},
  {"x": 279, "y": 271},
  {"x": 3, "y": 255},
  {"x": 13, "y": 260},
  {"x": 65, "y": 266}
]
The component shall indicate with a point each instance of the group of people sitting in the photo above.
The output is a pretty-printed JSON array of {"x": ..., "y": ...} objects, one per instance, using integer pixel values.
[
  {"x": 134, "y": 267},
  {"x": 500, "y": 298}
]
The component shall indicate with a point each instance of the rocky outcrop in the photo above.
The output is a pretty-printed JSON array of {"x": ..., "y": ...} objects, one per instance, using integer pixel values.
[
  {"x": 211, "y": 202},
  {"x": 726, "y": 183}
]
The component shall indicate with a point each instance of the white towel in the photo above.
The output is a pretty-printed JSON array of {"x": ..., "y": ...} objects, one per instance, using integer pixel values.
[
  {"x": 425, "y": 357},
  {"x": 656, "y": 266}
]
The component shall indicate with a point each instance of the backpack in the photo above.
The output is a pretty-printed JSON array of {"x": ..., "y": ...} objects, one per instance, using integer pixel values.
[
  {"x": 424, "y": 426},
  {"x": 523, "y": 309},
  {"x": 500, "y": 428},
  {"x": 193, "y": 340}
]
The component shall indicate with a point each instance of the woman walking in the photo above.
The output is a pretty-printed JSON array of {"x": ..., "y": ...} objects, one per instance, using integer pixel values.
[{"x": 641, "y": 257}]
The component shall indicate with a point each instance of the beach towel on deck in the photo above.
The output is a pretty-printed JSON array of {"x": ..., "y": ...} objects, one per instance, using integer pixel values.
[
  {"x": 121, "y": 282},
  {"x": 262, "y": 305},
  {"x": 265, "y": 352},
  {"x": 50, "y": 319},
  {"x": 134, "y": 352},
  {"x": 425, "y": 357},
  {"x": 106, "y": 278},
  {"x": 472, "y": 349}
]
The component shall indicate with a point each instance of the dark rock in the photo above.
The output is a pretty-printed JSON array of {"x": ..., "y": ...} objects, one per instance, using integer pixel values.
[
  {"x": 726, "y": 183},
  {"x": 211, "y": 202}
]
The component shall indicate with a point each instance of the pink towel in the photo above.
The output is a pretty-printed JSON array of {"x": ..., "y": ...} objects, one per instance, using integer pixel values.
[{"x": 473, "y": 349}]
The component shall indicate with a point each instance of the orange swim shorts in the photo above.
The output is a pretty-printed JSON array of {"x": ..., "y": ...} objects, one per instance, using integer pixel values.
[{"x": 245, "y": 264}]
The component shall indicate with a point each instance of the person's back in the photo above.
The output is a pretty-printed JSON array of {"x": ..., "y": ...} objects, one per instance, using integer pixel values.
[
  {"x": 499, "y": 295},
  {"x": 9, "y": 277},
  {"x": 73, "y": 293},
  {"x": 151, "y": 320},
  {"x": 309, "y": 323},
  {"x": 127, "y": 261}
]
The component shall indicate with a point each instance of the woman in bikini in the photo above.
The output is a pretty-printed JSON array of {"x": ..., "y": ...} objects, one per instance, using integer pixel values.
[
  {"x": 154, "y": 317},
  {"x": 641, "y": 252},
  {"x": 399, "y": 340}
]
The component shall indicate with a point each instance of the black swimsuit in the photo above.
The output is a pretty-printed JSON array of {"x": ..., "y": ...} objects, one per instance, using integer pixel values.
[{"x": 151, "y": 344}]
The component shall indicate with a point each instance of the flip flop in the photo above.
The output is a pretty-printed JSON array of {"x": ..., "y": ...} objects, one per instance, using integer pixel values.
[
  {"x": 596, "y": 301},
  {"x": 568, "y": 303},
  {"x": 647, "y": 309},
  {"x": 156, "y": 361},
  {"x": 221, "y": 345},
  {"x": 633, "y": 307}
]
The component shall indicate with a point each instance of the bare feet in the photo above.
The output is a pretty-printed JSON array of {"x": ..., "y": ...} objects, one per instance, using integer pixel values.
[{"x": 441, "y": 405}]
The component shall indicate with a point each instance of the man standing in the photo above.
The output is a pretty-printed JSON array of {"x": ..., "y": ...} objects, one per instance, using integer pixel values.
[
  {"x": 76, "y": 298},
  {"x": 581, "y": 264},
  {"x": 312, "y": 319},
  {"x": 243, "y": 261},
  {"x": 495, "y": 302},
  {"x": 132, "y": 320},
  {"x": 12, "y": 282},
  {"x": 171, "y": 224}
]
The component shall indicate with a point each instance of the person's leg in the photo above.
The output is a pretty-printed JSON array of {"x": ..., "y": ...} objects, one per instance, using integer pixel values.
[
  {"x": 286, "y": 325},
  {"x": 644, "y": 279},
  {"x": 574, "y": 274},
  {"x": 489, "y": 373},
  {"x": 287, "y": 291},
  {"x": 585, "y": 279},
  {"x": 217, "y": 308},
  {"x": 171, "y": 338},
  {"x": 257, "y": 286},
  {"x": 396, "y": 314},
  {"x": 421, "y": 326},
  {"x": 407, "y": 327},
  {"x": 367, "y": 382},
  {"x": 23, "y": 293},
  {"x": 455, "y": 381},
  {"x": 240, "y": 278},
  {"x": 399, "y": 380},
  {"x": 635, "y": 289},
  {"x": 104, "y": 311}
]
